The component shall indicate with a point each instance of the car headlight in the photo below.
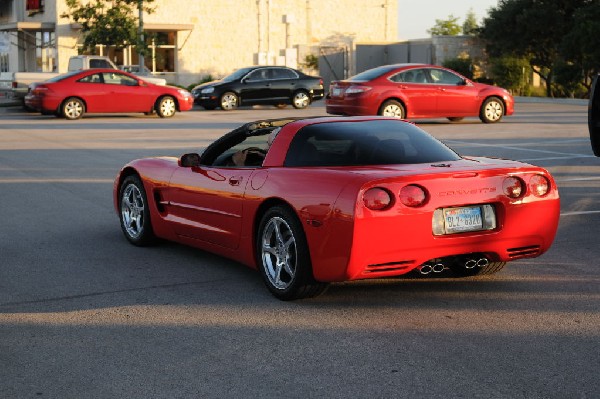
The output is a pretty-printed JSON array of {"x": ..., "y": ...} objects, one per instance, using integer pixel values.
[{"x": 207, "y": 90}]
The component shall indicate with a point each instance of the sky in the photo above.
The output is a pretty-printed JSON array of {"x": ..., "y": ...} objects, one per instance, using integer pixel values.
[{"x": 415, "y": 17}]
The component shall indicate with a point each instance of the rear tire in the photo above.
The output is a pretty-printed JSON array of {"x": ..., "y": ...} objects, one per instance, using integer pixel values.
[
  {"x": 283, "y": 257},
  {"x": 300, "y": 99},
  {"x": 392, "y": 108},
  {"x": 72, "y": 108}
]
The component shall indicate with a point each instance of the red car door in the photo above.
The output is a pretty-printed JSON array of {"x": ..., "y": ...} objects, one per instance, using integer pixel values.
[
  {"x": 455, "y": 95},
  {"x": 125, "y": 94},
  {"x": 93, "y": 91},
  {"x": 206, "y": 203},
  {"x": 418, "y": 93}
]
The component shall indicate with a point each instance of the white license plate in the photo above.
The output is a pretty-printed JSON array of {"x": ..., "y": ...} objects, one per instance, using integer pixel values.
[
  {"x": 336, "y": 92},
  {"x": 458, "y": 220}
]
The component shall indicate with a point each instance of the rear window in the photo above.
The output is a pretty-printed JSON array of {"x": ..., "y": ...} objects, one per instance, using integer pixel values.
[
  {"x": 377, "y": 142},
  {"x": 371, "y": 74}
]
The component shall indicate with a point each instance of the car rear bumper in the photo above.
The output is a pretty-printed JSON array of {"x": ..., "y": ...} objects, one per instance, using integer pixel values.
[{"x": 348, "y": 107}]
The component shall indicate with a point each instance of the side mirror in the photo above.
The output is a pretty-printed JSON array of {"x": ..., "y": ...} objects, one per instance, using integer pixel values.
[{"x": 189, "y": 160}]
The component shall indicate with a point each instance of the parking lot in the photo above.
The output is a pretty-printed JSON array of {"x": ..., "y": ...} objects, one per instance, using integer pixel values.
[{"x": 84, "y": 314}]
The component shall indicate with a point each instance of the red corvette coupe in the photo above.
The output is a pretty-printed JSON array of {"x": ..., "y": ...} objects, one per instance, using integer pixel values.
[
  {"x": 410, "y": 91},
  {"x": 312, "y": 201},
  {"x": 105, "y": 91}
]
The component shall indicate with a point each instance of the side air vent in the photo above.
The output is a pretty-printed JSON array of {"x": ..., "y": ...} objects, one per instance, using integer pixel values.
[
  {"x": 389, "y": 267},
  {"x": 520, "y": 252}
]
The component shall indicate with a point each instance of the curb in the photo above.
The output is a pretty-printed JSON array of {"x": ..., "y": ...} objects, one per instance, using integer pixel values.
[{"x": 542, "y": 100}]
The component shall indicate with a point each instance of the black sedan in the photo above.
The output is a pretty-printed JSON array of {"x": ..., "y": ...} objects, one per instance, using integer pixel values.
[{"x": 260, "y": 85}]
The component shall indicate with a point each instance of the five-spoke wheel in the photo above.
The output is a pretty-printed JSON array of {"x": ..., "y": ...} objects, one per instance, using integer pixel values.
[
  {"x": 135, "y": 215},
  {"x": 283, "y": 257}
]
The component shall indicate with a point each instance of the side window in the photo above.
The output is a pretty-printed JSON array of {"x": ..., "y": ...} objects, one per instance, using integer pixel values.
[
  {"x": 113, "y": 78},
  {"x": 258, "y": 75},
  {"x": 94, "y": 78},
  {"x": 404, "y": 77},
  {"x": 440, "y": 76},
  {"x": 283, "y": 73}
]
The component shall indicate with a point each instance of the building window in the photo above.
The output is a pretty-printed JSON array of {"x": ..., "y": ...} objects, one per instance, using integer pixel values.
[
  {"x": 34, "y": 6},
  {"x": 45, "y": 51}
]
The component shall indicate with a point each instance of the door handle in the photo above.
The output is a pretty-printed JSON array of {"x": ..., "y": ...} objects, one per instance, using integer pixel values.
[
  {"x": 403, "y": 87},
  {"x": 235, "y": 180}
]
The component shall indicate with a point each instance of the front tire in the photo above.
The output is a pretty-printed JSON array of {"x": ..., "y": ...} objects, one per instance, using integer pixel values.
[
  {"x": 392, "y": 108},
  {"x": 492, "y": 110},
  {"x": 229, "y": 101},
  {"x": 166, "y": 107},
  {"x": 300, "y": 99},
  {"x": 283, "y": 257},
  {"x": 134, "y": 212},
  {"x": 72, "y": 108}
]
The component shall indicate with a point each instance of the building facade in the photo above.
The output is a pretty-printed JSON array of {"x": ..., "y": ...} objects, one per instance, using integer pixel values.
[{"x": 190, "y": 39}]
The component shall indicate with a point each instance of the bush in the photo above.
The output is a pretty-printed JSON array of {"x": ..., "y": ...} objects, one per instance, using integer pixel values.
[
  {"x": 511, "y": 73},
  {"x": 464, "y": 66}
]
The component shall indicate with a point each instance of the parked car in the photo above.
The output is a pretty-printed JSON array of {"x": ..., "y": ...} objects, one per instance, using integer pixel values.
[
  {"x": 105, "y": 91},
  {"x": 410, "y": 91},
  {"x": 594, "y": 116},
  {"x": 330, "y": 199},
  {"x": 270, "y": 85},
  {"x": 144, "y": 73}
]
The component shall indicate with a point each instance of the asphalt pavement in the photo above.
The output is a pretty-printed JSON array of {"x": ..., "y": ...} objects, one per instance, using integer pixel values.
[{"x": 84, "y": 314}]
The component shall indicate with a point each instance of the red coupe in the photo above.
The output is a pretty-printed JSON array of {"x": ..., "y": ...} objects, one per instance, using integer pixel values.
[
  {"x": 105, "y": 91},
  {"x": 410, "y": 91},
  {"x": 312, "y": 201}
]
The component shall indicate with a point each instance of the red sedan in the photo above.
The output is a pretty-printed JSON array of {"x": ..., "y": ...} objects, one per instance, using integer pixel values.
[
  {"x": 410, "y": 91},
  {"x": 105, "y": 91},
  {"x": 313, "y": 201}
]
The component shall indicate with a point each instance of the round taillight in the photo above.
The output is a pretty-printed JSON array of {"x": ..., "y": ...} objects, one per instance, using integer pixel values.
[
  {"x": 413, "y": 196},
  {"x": 539, "y": 185},
  {"x": 513, "y": 187},
  {"x": 377, "y": 199}
]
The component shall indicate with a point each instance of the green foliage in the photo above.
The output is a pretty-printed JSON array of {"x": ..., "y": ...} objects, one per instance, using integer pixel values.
[
  {"x": 205, "y": 79},
  {"x": 567, "y": 79},
  {"x": 470, "y": 26},
  {"x": 464, "y": 66},
  {"x": 311, "y": 61},
  {"x": 446, "y": 27},
  {"x": 511, "y": 73},
  {"x": 108, "y": 22},
  {"x": 532, "y": 30}
]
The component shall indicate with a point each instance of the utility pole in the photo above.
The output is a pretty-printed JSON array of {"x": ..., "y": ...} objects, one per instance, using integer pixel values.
[{"x": 141, "y": 33}]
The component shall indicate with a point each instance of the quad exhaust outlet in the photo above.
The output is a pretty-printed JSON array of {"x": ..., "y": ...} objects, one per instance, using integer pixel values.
[{"x": 437, "y": 266}]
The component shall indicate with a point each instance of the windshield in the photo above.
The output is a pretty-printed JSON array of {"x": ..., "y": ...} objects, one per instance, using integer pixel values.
[{"x": 237, "y": 75}]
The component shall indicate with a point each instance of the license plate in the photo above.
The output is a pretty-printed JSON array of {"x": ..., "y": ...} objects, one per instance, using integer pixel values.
[
  {"x": 459, "y": 220},
  {"x": 336, "y": 92}
]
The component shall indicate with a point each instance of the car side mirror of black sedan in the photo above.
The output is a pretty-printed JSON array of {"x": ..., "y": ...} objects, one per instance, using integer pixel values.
[{"x": 189, "y": 160}]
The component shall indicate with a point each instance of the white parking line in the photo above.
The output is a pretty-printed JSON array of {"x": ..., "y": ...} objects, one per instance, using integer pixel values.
[{"x": 579, "y": 213}]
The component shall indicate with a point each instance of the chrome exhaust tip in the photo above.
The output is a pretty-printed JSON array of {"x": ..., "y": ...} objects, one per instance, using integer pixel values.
[
  {"x": 483, "y": 262},
  {"x": 438, "y": 268},
  {"x": 471, "y": 263},
  {"x": 425, "y": 268}
]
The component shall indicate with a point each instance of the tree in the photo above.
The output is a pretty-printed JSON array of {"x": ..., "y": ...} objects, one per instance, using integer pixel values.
[
  {"x": 445, "y": 27},
  {"x": 530, "y": 29},
  {"x": 581, "y": 46},
  {"x": 108, "y": 22},
  {"x": 470, "y": 26}
]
